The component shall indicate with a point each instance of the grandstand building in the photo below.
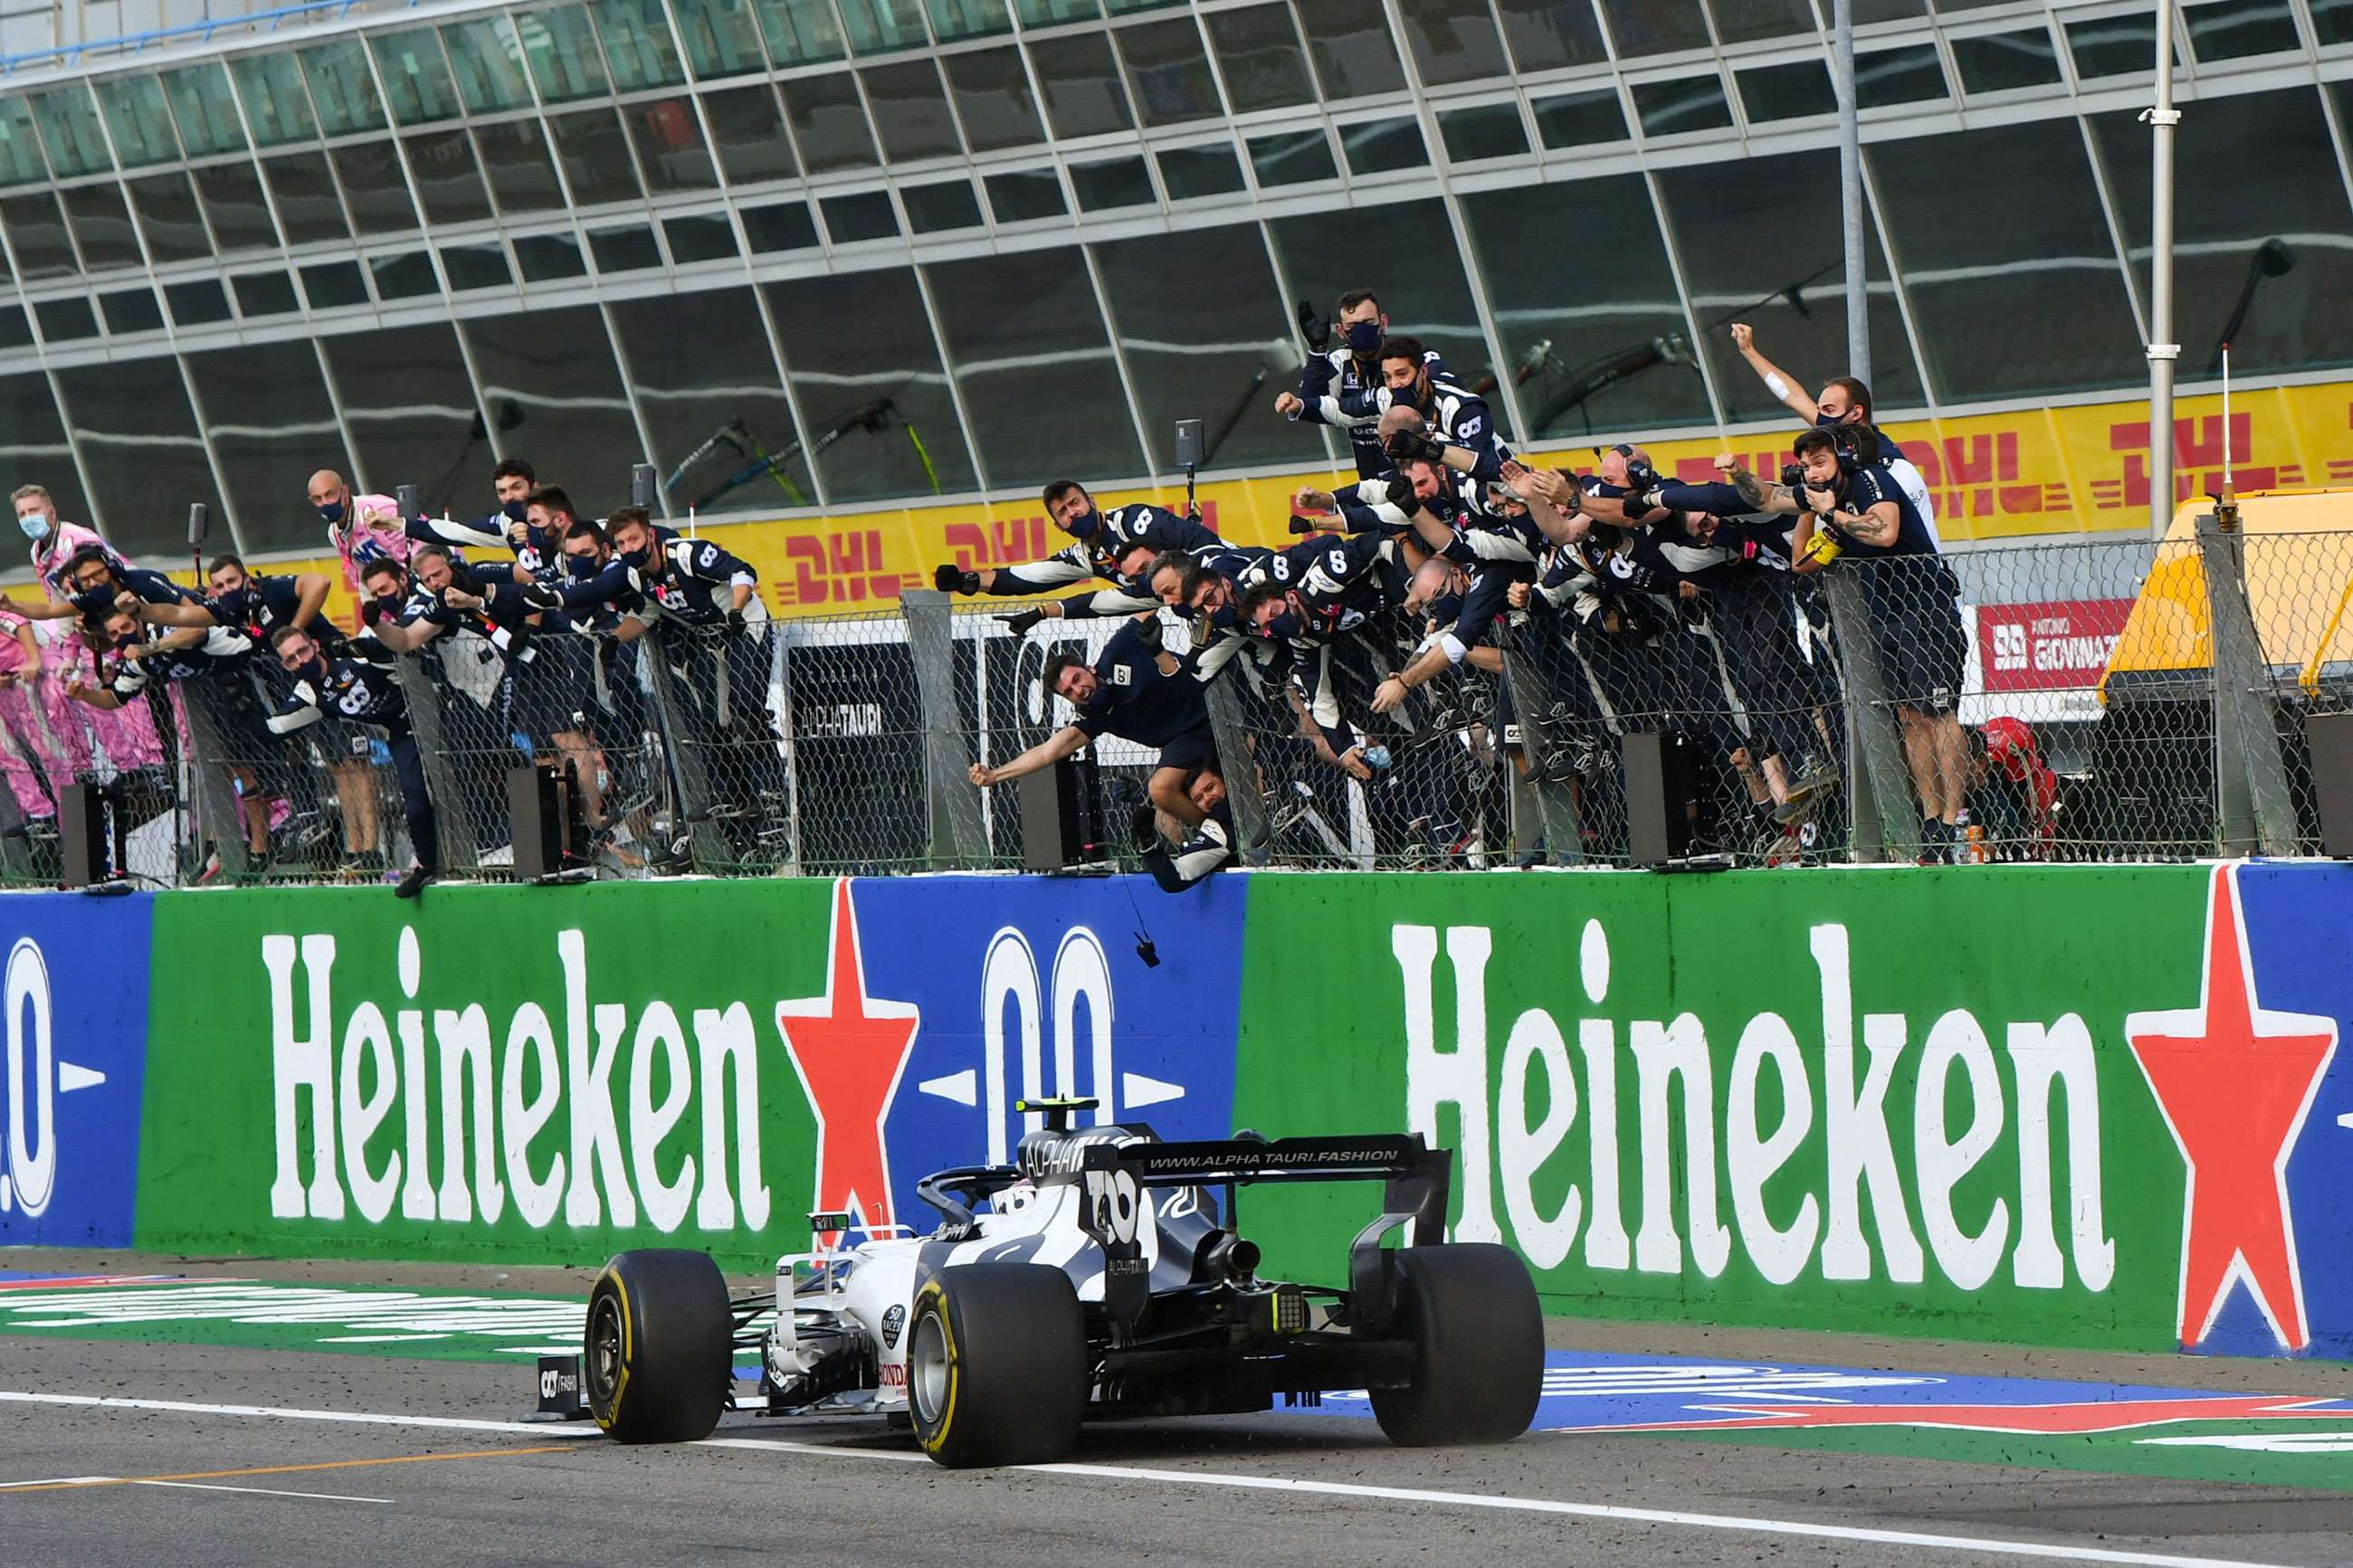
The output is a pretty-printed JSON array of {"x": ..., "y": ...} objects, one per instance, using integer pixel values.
[{"x": 939, "y": 251}]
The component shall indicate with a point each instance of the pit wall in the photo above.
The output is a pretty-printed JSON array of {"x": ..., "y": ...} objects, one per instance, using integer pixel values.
[{"x": 2080, "y": 1106}]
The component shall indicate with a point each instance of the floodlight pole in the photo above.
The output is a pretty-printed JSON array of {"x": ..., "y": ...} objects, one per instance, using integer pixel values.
[
  {"x": 1850, "y": 215},
  {"x": 2162, "y": 350}
]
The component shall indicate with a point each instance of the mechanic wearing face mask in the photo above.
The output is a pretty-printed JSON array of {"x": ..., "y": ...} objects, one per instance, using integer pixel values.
[
  {"x": 127, "y": 734},
  {"x": 1419, "y": 414},
  {"x": 1352, "y": 370},
  {"x": 261, "y": 602},
  {"x": 512, "y": 482},
  {"x": 1101, "y": 539},
  {"x": 1854, "y": 517},
  {"x": 361, "y": 687},
  {"x": 1844, "y": 403},
  {"x": 54, "y": 543}
]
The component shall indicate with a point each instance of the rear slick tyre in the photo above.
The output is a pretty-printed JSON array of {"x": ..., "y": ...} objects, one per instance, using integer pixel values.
[
  {"x": 658, "y": 1358},
  {"x": 1470, "y": 1312},
  {"x": 997, "y": 1365}
]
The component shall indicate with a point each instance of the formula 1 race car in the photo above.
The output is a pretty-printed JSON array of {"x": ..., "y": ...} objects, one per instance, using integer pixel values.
[{"x": 1099, "y": 1275}]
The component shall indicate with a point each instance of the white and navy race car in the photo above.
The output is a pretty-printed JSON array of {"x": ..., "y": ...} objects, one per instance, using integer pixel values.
[{"x": 1100, "y": 1274}]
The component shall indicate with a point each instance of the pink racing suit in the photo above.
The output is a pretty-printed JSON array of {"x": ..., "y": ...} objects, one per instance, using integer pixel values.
[
  {"x": 65, "y": 540},
  {"x": 374, "y": 530},
  {"x": 26, "y": 743},
  {"x": 127, "y": 734}
]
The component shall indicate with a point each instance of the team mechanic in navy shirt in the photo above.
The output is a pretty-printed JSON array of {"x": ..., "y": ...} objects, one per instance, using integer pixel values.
[
  {"x": 1851, "y": 508},
  {"x": 1139, "y": 692}
]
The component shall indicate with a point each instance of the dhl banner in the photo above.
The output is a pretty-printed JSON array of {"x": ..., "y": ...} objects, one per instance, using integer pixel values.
[{"x": 1994, "y": 477}]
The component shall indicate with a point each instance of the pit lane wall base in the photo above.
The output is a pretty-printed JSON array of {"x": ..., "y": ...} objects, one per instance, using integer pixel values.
[{"x": 2097, "y": 1106}]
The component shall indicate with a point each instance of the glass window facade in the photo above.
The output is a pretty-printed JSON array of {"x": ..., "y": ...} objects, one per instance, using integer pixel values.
[
  {"x": 993, "y": 100},
  {"x": 2033, "y": 304},
  {"x": 1027, "y": 344},
  {"x": 413, "y": 416},
  {"x": 1260, "y": 57},
  {"x": 140, "y": 442},
  {"x": 1790, "y": 293},
  {"x": 2261, "y": 228},
  {"x": 574, "y": 176},
  {"x": 706, "y": 410},
  {"x": 273, "y": 426},
  {"x": 865, "y": 362},
  {"x": 556, "y": 368}
]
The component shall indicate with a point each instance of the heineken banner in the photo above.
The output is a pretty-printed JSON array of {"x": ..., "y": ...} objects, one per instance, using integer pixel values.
[
  {"x": 549, "y": 1075},
  {"x": 2062, "y": 1106},
  {"x": 2097, "y": 1106}
]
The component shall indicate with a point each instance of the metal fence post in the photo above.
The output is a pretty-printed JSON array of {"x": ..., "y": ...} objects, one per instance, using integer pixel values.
[
  {"x": 2258, "y": 814},
  {"x": 780, "y": 683},
  {"x": 684, "y": 758},
  {"x": 1244, "y": 793},
  {"x": 217, "y": 815},
  {"x": 958, "y": 837},
  {"x": 1876, "y": 775},
  {"x": 1555, "y": 804},
  {"x": 460, "y": 851}
]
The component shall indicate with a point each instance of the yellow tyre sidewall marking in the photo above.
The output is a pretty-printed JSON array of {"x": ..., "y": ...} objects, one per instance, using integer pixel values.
[
  {"x": 621, "y": 1371},
  {"x": 935, "y": 1299}
]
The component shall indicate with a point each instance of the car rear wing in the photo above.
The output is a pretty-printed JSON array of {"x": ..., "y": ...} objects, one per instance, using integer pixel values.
[{"x": 1417, "y": 1179}]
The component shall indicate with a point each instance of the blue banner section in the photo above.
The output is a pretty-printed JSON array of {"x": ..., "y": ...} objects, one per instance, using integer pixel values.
[
  {"x": 2300, "y": 943},
  {"x": 1104, "y": 988},
  {"x": 72, "y": 1058}
]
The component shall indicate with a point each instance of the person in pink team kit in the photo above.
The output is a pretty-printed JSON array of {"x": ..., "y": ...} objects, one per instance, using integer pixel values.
[
  {"x": 361, "y": 528},
  {"x": 128, "y": 734},
  {"x": 24, "y": 738}
]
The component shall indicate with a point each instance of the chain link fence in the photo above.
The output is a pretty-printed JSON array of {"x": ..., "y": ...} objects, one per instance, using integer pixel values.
[{"x": 2122, "y": 699}]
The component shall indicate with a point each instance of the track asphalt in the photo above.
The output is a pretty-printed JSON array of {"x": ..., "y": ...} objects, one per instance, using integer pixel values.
[{"x": 239, "y": 1412}]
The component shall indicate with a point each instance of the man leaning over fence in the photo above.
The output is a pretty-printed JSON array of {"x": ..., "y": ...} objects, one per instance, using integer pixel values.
[
  {"x": 1140, "y": 692},
  {"x": 1854, "y": 511},
  {"x": 361, "y": 687}
]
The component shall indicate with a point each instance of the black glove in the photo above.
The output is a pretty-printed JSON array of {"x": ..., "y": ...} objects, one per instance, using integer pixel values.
[
  {"x": 540, "y": 597},
  {"x": 1640, "y": 503},
  {"x": 1401, "y": 495},
  {"x": 1148, "y": 633},
  {"x": 373, "y": 611},
  {"x": 950, "y": 578},
  {"x": 1315, "y": 328},
  {"x": 1302, "y": 524},
  {"x": 1020, "y": 622},
  {"x": 734, "y": 620},
  {"x": 1413, "y": 445}
]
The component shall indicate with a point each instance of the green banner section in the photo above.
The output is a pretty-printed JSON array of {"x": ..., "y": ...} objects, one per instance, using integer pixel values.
[
  {"x": 526, "y": 1075},
  {"x": 434, "y": 1325},
  {"x": 1850, "y": 1099}
]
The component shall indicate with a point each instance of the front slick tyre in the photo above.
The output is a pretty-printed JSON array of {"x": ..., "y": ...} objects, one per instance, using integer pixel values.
[
  {"x": 1469, "y": 1311},
  {"x": 660, "y": 1347},
  {"x": 997, "y": 1365}
]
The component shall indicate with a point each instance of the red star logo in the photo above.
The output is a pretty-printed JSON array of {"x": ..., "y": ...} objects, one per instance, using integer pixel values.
[
  {"x": 2234, "y": 1080},
  {"x": 848, "y": 1049},
  {"x": 2083, "y": 1416}
]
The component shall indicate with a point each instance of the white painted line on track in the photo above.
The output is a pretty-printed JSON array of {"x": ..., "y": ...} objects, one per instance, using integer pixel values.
[
  {"x": 261, "y": 1492},
  {"x": 280, "y": 1412},
  {"x": 2048, "y": 1552},
  {"x": 62, "y": 1481}
]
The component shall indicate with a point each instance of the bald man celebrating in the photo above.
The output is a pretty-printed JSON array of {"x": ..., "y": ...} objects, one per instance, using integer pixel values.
[{"x": 370, "y": 527}]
